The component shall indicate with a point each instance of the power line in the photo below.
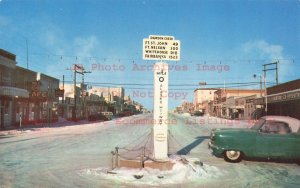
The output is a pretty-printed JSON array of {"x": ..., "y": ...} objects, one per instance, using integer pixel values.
[
  {"x": 205, "y": 61},
  {"x": 173, "y": 89},
  {"x": 147, "y": 84}
]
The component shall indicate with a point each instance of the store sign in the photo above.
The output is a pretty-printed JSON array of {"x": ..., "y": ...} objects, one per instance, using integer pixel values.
[
  {"x": 35, "y": 86},
  {"x": 284, "y": 97},
  {"x": 161, "y": 48},
  {"x": 36, "y": 94},
  {"x": 259, "y": 101},
  {"x": 59, "y": 92},
  {"x": 249, "y": 100}
]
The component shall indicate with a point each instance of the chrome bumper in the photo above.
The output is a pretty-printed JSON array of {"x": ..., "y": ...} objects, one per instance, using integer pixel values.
[{"x": 212, "y": 146}]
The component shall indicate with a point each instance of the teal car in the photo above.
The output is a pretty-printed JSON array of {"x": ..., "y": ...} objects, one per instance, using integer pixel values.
[{"x": 271, "y": 137}]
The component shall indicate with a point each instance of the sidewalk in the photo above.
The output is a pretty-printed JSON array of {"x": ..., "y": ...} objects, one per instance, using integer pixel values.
[{"x": 38, "y": 126}]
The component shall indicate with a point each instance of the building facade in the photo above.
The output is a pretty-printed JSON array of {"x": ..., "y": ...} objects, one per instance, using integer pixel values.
[
  {"x": 10, "y": 91},
  {"x": 202, "y": 96},
  {"x": 114, "y": 96},
  {"x": 224, "y": 98},
  {"x": 25, "y": 95},
  {"x": 282, "y": 99}
]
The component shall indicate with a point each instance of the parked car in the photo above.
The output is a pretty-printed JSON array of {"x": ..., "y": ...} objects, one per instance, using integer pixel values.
[
  {"x": 108, "y": 115},
  {"x": 98, "y": 116},
  {"x": 270, "y": 137},
  {"x": 198, "y": 113},
  {"x": 234, "y": 115},
  {"x": 128, "y": 113}
]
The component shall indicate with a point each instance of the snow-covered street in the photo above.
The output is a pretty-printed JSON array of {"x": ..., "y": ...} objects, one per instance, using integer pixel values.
[{"x": 79, "y": 155}]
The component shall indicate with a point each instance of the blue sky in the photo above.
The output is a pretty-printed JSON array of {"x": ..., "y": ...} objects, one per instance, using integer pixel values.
[{"x": 242, "y": 35}]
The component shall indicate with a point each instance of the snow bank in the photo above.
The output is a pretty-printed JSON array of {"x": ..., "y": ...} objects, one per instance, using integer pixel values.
[{"x": 181, "y": 173}]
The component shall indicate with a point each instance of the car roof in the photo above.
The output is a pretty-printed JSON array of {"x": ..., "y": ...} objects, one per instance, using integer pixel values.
[{"x": 293, "y": 122}]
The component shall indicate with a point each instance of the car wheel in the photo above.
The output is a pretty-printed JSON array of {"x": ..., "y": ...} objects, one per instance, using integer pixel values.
[{"x": 233, "y": 156}]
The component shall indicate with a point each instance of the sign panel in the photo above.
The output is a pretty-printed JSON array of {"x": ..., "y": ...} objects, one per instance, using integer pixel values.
[
  {"x": 59, "y": 93},
  {"x": 284, "y": 97},
  {"x": 160, "y": 111},
  {"x": 161, "y": 48},
  {"x": 36, "y": 94}
]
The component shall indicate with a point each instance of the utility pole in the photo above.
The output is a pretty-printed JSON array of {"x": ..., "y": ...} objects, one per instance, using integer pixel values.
[
  {"x": 27, "y": 53},
  {"x": 260, "y": 82},
  {"x": 63, "y": 98},
  {"x": 74, "y": 109},
  {"x": 82, "y": 72},
  {"x": 276, "y": 69},
  {"x": 265, "y": 77},
  {"x": 82, "y": 91},
  {"x": 266, "y": 97},
  {"x": 277, "y": 72}
]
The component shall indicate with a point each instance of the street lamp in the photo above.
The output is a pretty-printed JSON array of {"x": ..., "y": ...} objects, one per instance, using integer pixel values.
[
  {"x": 254, "y": 76},
  {"x": 266, "y": 99}
]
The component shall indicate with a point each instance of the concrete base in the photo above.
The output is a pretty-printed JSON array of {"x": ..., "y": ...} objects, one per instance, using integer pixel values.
[
  {"x": 164, "y": 165},
  {"x": 135, "y": 163},
  {"x": 161, "y": 165}
]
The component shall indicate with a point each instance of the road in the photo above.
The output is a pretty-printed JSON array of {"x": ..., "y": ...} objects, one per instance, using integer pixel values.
[{"x": 68, "y": 156}]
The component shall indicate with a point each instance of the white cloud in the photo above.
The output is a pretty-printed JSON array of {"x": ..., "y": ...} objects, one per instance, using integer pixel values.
[
  {"x": 85, "y": 46},
  {"x": 64, "y": 51},
  {"x": 263, "y": 49},
  {"x": 76, "y": 51},
  {"x": 260, "y": 49}
]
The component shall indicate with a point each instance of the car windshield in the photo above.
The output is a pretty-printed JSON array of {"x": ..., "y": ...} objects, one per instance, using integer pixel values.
[{"x": 258, "y": 124}]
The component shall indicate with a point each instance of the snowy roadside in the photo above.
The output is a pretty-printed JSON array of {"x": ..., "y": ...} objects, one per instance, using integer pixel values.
[
  {"x": 61, "y": 125},
  {"x": 191, "y": 170}
]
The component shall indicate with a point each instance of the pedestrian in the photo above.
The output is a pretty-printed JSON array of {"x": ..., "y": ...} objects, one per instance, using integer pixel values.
[{"x": 20, "y": 119}]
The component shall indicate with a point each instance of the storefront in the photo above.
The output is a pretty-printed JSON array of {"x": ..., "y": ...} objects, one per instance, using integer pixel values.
[
  {"x": 285, "y": 104},
  {"x": 283, "y": 100},
  {"x": 11, "y": 99}
]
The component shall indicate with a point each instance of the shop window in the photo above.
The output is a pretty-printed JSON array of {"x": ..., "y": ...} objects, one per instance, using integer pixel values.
[{"x": 6, "y": 107}]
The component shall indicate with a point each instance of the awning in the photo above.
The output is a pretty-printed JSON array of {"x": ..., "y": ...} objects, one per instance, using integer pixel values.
[{"x": 13, "y": 92}]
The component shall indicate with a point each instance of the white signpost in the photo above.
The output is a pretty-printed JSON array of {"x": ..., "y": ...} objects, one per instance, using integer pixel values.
[
  {"x": 161, "y": 48},
  {"x": 160, "y": 130}
]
